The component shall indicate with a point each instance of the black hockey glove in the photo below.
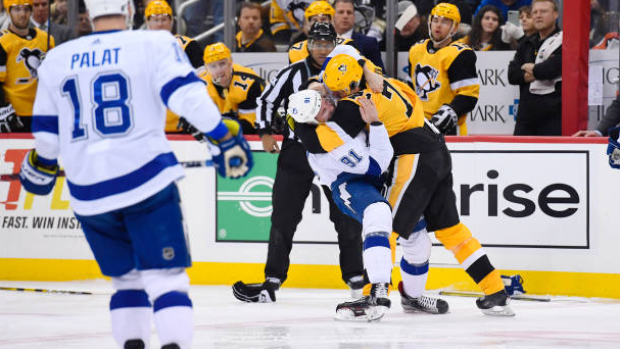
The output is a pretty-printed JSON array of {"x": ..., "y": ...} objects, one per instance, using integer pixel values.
[
  {"x": 445, "y": 118},
  {"x": 9, "y": 121},
  {"x": 188, "y": 128}
]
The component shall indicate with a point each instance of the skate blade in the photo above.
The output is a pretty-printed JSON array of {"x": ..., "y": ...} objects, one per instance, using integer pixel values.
[
  {"x": 499, "y": 311},
  {"x": 373, "y": 314}
]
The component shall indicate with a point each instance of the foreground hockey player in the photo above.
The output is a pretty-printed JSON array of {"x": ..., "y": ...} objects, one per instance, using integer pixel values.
[
  {"x": 353, "y": 171},
  {"x": 101, "y": 109},
  {"x": 419, "y": 179}
]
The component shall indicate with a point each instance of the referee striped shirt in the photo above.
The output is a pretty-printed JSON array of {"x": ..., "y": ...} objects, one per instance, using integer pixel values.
[{"x": 288, "y": 81}]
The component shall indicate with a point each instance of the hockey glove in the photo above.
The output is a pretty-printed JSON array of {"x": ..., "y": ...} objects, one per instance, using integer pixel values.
[
  {"x": 254, "y": 293},
  {"x": 188, "y": 128},
  {"x": 232, "y": 158},
  {"x": 9, "y": 121},
  {"x": 613, "y": 149},
  {"x": 445, "y": 118},
  {"x": 37, "y": 175}
]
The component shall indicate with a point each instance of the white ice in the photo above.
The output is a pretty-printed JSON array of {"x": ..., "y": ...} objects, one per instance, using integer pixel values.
[{"x": 303, "y": 318}]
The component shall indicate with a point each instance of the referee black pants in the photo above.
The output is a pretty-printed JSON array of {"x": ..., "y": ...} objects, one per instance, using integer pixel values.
[{"x": 291, "y": 188}]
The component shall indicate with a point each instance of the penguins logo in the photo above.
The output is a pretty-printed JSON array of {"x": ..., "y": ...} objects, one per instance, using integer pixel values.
[
  {"x": 425, "y": 81},
  {"x": 32, "y": 59}
]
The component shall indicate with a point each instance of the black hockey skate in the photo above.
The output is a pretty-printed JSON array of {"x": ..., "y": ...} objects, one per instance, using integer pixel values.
[
  {"x": 421, "y": 304},
  {"x": 134, "y": 344},
  {"x": 369, "y": 308},
  {"x": 356, "y": 285},
  {"x": 256, "y": 293},
  {"x": 495, "y": 304},
  {"x": 171, "y": 346}
]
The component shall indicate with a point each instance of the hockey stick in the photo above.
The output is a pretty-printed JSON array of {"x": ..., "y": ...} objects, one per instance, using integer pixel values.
[
  {"x": 477, "y": 294},
  {"x": 61, "y": 173},
  {"x": 44, "y": 290}
]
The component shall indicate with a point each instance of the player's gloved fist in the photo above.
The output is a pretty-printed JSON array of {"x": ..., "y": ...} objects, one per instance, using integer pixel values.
[
  {"x": 445, "y": 118},
  {"x": 188, "y": 128},
  {"x": 232, "y": 157},
  {"x": 38, "y": 175},
  {"x": 9, "y": 121},
  {"x": 613, "y": 149}
]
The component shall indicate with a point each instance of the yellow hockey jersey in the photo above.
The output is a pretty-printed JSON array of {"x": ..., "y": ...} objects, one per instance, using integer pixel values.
[
  {"x": 19, "y": 59},
  {"x": 399, "y": 109},
  {"x": 194, "y": 53},
  {"x": 240, "y": 97},
  {"x": 287, "y": 14},
  {"x": 445, "y": 76}
]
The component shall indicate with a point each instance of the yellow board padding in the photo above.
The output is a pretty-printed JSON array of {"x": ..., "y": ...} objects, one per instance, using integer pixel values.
[{"x": 321, "y": 276}]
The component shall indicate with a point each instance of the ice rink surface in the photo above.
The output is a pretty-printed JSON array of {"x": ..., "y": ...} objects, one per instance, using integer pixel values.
[{"x": 303, "y": 318}]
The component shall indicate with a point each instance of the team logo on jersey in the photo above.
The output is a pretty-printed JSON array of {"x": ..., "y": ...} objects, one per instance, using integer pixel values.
[
  {"x": 168, "y": 253},
  {"x": 425, "y": 80},
  {"x": 32, "y": 60}
]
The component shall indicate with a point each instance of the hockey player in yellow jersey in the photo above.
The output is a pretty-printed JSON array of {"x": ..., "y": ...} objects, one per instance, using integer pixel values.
[
  {"x": 233, "y": 87},
  {"x": 419, "y": 183},
  {"x": 21, "y": 51},
  {"x": 158, "y": 16},
  {"x": 443, "y": 73},
  {"x": 286, "y": 16}
]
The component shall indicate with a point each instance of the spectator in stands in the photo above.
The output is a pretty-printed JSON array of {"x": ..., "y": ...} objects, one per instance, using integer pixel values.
[
  {"x": 286, "y": 18},
  {"x": 232, "y": 87},
  {"x": 196, "y": 14},
  {"x": 251, "y": 37},
  {"x": 609, "y": 120},
  {"x": 21, "y": 51},
  {"x": 59, "y": 11},
  {"x": 318, "y": 11},
  {"x": 85, "y": 26},
  {"x": 4, "y": 17},
  {"x": 344, "y": 20},
  {"x": 486, "y": 34},
  {"x": 407, "y": 28},
  {"x": 504, "y": 5},
  {"x": 527, "y": 22},
  {"x": 40, "y": 17},
  {"x": 537, "y": 69}
]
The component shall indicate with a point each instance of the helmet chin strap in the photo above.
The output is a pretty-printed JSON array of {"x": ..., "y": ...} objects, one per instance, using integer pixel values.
[{"x": 449, "y": 36}]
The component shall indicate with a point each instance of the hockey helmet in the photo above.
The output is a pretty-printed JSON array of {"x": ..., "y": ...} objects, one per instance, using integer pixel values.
[
  {"x": 342, "y": 73},
  {"x": 100, "y": 8},
  {"x": 322, "y": 31},
  {"x": 9, "y": 3},
  {"x": 157, "y": 8},
  {"x": 446, "y": 10},
  {"x": 304, "y": 106},
  {"x": 215, "y": 52},
  {"x": 319, "y": 8}
]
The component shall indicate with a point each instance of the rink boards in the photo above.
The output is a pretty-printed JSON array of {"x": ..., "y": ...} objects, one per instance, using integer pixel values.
[{"x": 544, "y": 208}]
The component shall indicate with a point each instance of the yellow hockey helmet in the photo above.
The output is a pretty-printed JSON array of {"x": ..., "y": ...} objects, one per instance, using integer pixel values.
[
  {"x": 215, "y": 52},
  {"x": 342, "y": 73},
  {"x": 157, "y": 8},
  {"x": 446, "y": 10},
  {"x": 319, "y": 8},
  {"x": 9, "y": 3}
]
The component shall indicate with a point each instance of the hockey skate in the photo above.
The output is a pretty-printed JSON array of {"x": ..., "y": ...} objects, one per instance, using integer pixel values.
[
  {"x": 369, "y": 308},
  {"x": 256, "y": 293},
  {"x": 356, "y": 285},
  {"x": 421, "y": 304},
  {"x": 495, "y": 304},
  {"x": 134, "y": 344}
]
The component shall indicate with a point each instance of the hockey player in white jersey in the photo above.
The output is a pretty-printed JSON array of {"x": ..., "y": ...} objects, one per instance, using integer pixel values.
[
  {"x": 100, "y": 107},
  {"x": 354, "y": 171}
]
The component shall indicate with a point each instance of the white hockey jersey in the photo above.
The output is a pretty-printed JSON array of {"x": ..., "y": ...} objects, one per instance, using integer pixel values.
[
  {"x": 366, "y": 154},
  {"x": 101, "y": 106}
]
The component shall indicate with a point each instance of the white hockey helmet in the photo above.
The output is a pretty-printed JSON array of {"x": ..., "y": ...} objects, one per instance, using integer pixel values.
[
  {"x": 100, "y": 8},
  {"x": 304, "y": 106}
]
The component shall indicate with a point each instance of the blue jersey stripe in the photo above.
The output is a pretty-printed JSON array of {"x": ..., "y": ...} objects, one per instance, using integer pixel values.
[
  {"x": 45, "y": 123},
  {"x": 124, "y": 183},
  {"x": 175, "y": 83}
]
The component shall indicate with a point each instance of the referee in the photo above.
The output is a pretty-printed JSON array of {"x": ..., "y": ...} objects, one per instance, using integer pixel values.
[{"x": 294, "y": 180}]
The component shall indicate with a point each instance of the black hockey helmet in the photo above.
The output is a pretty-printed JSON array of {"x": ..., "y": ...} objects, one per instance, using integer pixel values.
[{"x": 322, "y": 31}]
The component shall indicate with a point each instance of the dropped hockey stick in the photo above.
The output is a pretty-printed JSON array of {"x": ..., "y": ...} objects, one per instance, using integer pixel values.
[
  {"x": 44, "y": 290},
  {"x": 61, "y": 173},
  {"x": 477, "y": 294}
]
